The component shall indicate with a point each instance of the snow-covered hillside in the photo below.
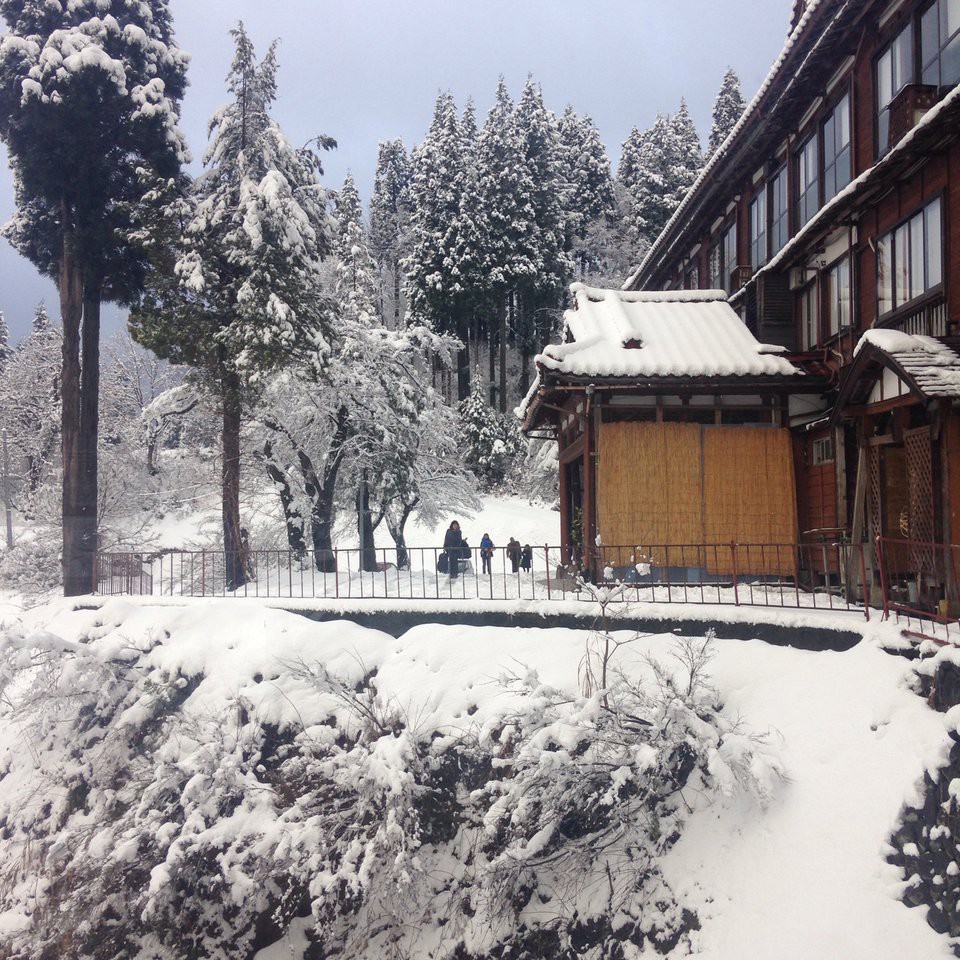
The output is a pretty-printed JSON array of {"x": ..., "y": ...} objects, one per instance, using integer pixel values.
[{"x": 175, "y": 780}]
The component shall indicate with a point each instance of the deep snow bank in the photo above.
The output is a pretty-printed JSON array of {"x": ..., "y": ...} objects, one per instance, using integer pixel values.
[{"x": 175, "y": 780}]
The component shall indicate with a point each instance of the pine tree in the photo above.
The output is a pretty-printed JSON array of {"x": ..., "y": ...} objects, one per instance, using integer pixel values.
[
  {"x": 6, "y": 351},
  {"x": 727, "y": 110},
  {"x": 390, "y": 214},
  {"x": 684, "y": 157},
  {"x": 541, "y": 291},
  {"x": 661, "y": 166},
  {"x": 87, "y": 101},
  {"x": 588, "y": 200},
  {"x": 246, "y": 291},
  {"x": 41, "y": 319},
  {"x": 435, "y": 287},
  {"x": 492, "y": 441}
]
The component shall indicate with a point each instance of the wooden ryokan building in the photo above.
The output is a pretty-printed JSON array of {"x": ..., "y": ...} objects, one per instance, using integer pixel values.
[{"x": 830, "y": 219}]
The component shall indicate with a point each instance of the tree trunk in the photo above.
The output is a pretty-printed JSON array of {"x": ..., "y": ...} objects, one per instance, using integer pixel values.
[
  {"x": 492, "y": 331},
  {"x": 291, "y": 516},
  {"x": 463, "y": 358},
  {"x": 71, "y": 311},
  {"x": 321, "y": 493},
  {"x": 502, "y": 336},
  {"x": 368, "y": 553},
  {"x": 396, "y": 528},
  {"x": 396, "y": 293},
  {"x": 234, "y": 547},
  {"x": 86, "y": 491}
]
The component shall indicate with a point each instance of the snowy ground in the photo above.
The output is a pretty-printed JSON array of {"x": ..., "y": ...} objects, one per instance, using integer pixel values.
[{"x": 804, "y": 878}]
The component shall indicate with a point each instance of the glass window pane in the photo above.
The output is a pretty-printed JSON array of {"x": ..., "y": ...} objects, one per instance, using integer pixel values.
[
  {"x": 901, "y": 266},
  {"x": 929, "y": 39},
  {"x": 934, "y": 244},
  {"x": 916, "y": 256},
  {"x": 949, "y": 18},
  {"x": 885, "y": 79},
  {"x": 903, "y": 58},
  {"x": 884, "y": 275},
  {"x": 950, "y": 63}
]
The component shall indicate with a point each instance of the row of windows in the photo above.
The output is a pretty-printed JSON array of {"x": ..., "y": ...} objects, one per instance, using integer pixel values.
[
  {"x": 928, "y": 47},
  {"x": 909, "y": 265}
]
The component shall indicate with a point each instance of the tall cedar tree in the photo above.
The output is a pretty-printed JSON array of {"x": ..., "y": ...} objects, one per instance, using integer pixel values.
[
  {"x": 245, "y": 291},
  {"x": 89, "y": 95},
  {"x": 506, "y": 224},
  {"x": 438, "y": 289},
  {"x": 727, "y": 110},
  {"x": 356, "y": 297},
  {"x": 588, "y": 186},
  {"x": 6, "y": 351},
  {"x": 542, "y": 291},
  {"x": 390, "y": 214}
]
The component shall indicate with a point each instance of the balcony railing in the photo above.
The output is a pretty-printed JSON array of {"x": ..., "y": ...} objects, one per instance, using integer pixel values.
[{"x": 928, "y": 320}]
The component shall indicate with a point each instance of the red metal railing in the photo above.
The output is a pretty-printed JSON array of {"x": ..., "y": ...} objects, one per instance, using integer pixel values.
[
  {"x": 821, "y": 575},
  {"x": 919, "y": 583}
]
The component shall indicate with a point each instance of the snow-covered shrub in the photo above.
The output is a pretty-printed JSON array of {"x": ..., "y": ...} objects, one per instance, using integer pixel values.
[
  {"x": 32, "y": 566},
  {"x": 495, "y": 448},
  {"x": 170, "y": 806}
]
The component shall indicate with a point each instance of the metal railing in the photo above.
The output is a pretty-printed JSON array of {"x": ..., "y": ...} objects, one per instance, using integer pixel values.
[
  {"x": 919, "y": 584},
  {"x": 804, "y": 575}
]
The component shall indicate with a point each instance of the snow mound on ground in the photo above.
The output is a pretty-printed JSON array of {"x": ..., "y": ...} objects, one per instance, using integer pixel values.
[{"x": 193, "y": 779}]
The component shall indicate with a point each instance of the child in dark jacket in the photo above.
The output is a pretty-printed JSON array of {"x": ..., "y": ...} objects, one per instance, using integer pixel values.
[{"x": 526, "y": 558}]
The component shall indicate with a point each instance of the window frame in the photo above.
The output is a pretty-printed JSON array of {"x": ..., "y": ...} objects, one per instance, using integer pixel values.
[
  {"x": 758, "y": 216},
  {"x": 837, "y": 309},
  {"x": 832, "y": 164},
  {"x": 922, "y": 63},
  {"x": 778, "y": 225},
  {"x": 808, "y": 315},
  {"x": 881, "y": 112},
  {"x": 901, "y": 237},
  {"x": 808, "y": 156}
]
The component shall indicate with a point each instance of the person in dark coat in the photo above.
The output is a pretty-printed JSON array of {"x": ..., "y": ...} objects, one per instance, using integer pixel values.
[
  {"x": 453, "y": 548},
  {"x": 526, "y": 558},
  {"x": 513, "y": 552},
  {"x": 486, "y": 553}
]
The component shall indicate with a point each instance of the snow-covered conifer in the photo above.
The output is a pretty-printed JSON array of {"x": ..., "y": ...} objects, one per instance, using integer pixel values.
[
  {"x": 248, "y": 289},
  {"x": 390, "y": 216},
  {"x": 727, "y": 109},
  {"x": 6, "y": 350},
  {"x": 89, "y": 95}
]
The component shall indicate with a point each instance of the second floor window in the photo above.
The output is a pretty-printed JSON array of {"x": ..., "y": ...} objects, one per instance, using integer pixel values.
[
  {"x": 729, "y": 244},
  {"x": 779, "y": 212},
  {"x": 758, "y": 231},
  {"x": 910, "y": 259},
  {"x": 894, "y": 72},
  {"x": 838, "y": 300},
  {"x": 836, "y": 149},
  {"x": 808, "y": 181},
  {"x": 940, "y": 43},
  {"x": 809, "y": 317},
  {"x": 692, "y": 280}
]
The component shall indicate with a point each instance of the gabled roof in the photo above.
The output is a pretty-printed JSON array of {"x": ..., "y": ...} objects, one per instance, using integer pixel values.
[
  {"x": 929, "y": 367},
  {"x": 674, "y": 333}
]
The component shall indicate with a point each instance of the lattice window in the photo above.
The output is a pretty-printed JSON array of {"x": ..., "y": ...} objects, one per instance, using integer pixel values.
[{"x": 920, "y": 482}]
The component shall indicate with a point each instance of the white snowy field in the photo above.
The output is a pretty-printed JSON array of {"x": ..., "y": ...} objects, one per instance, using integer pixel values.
[{"x": 800, "y": 877}]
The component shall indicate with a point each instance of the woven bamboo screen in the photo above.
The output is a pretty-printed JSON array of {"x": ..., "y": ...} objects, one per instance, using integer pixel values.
[
  {"x": 682, "y": 483},
  {"x": 649, "y": 490},
  {"x": 749, "y": 496}
]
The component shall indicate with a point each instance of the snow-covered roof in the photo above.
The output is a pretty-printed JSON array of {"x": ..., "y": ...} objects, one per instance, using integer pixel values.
[
  {"x": 673, "y": 333},
  {"x": 931, "y": 364}
]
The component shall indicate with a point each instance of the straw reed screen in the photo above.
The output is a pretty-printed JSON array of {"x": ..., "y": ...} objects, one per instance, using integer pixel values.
[
  {"x": 682, "y": 483},
  {"x": 749, "y": 496}
]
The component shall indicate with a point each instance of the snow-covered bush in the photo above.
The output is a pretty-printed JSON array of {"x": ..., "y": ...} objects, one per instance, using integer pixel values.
[
  {"x": 171, "y": 805},
  {"x": 495, "y": 448},
  {"x": 32, "y": 566}
]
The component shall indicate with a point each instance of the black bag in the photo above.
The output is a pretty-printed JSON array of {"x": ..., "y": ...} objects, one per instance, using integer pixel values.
[
  {"x": 443, "y": 563},
  {"x": 465, "y": 551}
]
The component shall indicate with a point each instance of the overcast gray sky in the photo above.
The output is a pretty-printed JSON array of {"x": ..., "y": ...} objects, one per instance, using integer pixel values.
[{"x": 369, "y": 70}]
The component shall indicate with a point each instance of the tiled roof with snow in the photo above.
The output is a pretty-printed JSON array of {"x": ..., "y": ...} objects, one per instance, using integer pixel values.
[
  {"x": 673, "y": 333},
  {"x": 930, "y": 363}
]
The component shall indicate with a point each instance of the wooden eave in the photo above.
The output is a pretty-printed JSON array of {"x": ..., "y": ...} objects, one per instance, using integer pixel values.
[
  {"x": 860, "y": 376},
  {"x": 555, "y": 389}
]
